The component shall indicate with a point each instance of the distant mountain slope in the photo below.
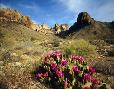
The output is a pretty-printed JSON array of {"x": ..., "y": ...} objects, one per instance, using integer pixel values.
[
  {"x": 87, "y": 28},
  {"x": 12, "y": 34}
]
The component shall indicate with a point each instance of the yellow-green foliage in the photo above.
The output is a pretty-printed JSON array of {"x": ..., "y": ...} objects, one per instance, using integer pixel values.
[{"x": 78, "y": 46}]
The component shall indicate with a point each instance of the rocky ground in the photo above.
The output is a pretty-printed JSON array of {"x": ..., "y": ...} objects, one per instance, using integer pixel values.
[
  {"x": 104, "y": 66},
  {"x": 20, "y": 55},
  {"x": 21, "y": 49}
]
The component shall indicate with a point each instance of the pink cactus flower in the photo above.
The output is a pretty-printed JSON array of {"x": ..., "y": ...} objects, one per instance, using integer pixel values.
[
  {"x": 60, "y": 74},
  {"x": 51, "y": 74},
  {"x": 64, "y": 62},
  {"x": 86, "y": 87},
  {"x": 60, "y": 70},
  {"x": 53, "y": 65},
  {"x": 57, "y": 54},
  {"x": 94, "y": 81},
  {"x": 75, "y": 69},
  {"x": 39, "y": 75},
  {"x": 50, "y": 54},
  {"x": 81, "y": 59},
  {"x": 77, "y": 58},
  {"x": 45, "y": 74},
  {"x": 87, "y": 77},
  {"x": 91, "y": 70}
]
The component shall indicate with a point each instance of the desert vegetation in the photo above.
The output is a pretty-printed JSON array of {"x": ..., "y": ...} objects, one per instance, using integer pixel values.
[
  {"x": 42, "y": 59},
  {"x": 79, "y": 47},
  {"x": 66, "y": 73}
]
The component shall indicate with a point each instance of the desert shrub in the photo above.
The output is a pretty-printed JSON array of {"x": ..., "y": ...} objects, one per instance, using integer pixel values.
[
  {"x": 80, "y": 47},
  {"x": 62, "y": 73},
  {"x": 6, "y": 57},
  {"x": 55, "y": 43},
  {"x": 33, "y": 39}
]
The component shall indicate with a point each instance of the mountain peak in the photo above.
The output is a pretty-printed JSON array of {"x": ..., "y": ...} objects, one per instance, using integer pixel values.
[{"x": 84, "y": 19}]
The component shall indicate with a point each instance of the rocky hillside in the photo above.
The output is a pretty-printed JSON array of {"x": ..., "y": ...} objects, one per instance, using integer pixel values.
[
  {"x": 87, "y": 28},
  {"x": 21, "y": 49},
  {"x": 20, "y": 52},
  {"x": 8, "y": 15}
]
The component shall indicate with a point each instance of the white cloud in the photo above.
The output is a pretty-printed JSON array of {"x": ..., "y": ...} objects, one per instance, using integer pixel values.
[
  {"x": 105, "y": 12},
  {"x": 32, "y": 6},
  {"x": 74, "y": 5},
  {"x": 100, "y": 10}
]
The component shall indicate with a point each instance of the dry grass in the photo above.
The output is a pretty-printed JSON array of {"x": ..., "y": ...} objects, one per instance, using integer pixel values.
[
  {"x": 18, "y": 74},
  {"x": 20, "y": 52}
]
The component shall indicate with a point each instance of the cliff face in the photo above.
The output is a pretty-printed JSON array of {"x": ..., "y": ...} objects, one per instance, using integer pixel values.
[{"x": 9, "y": 15}]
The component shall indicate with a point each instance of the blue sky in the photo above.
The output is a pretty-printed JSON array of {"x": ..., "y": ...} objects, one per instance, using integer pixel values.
[{"x": 61, "y": 11}]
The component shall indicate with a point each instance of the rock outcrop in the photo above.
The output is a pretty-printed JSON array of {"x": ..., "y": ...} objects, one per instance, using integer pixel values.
[
  {"x": 35, "y": 27},
  {"x": 44, "y": 26},
  {"x": 9, "y": 15},
  {"x": 84, "y": 19},
  {"x": 59, "y": 28},
  {"x": 38, "y": 27}
]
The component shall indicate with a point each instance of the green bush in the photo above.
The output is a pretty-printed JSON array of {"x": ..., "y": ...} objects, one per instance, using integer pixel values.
[{"x": 80, "y": 47}]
